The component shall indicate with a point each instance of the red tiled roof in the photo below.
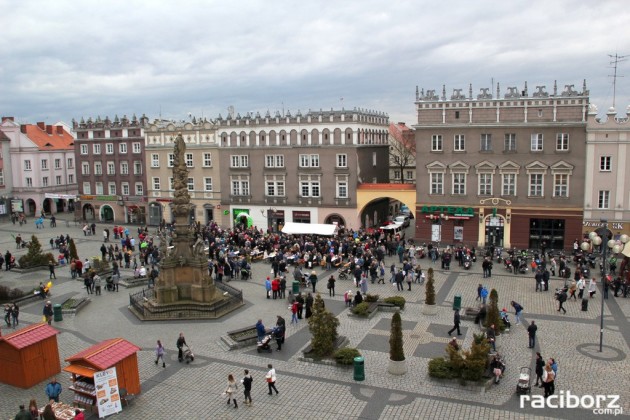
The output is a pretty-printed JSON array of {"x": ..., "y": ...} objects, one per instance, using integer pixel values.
[
  {"x": 106, "y": 354},
  {"x": 29, "y": 335},
  {"x": 54, "y": 141},
  {"x": 368, "y": 186}
]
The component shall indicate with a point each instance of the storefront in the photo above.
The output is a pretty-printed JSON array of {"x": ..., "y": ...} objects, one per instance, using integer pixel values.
[
  {"x": 301, "y": 217},
  {"x": 618, "y": 228},
  {"x": 448, "y": 225},
  {"x": 275, "y": 219}
]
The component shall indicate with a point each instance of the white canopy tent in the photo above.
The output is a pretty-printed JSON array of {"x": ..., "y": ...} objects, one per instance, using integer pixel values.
[{"x": 290, "y": 228}]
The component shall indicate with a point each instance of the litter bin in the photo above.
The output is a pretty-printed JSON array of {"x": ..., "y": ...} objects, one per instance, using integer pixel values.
[
  {"x": 58, "y": 316},
  {"x": 457, "y": 302},
  {"x": 359, "y": 369},
  {"x": 296, "y": 287},
  {"x": 584, "y": 304}
]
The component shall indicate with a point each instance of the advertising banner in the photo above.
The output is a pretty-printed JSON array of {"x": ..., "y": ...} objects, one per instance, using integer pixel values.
[
  {"x": 107, "y": 393},
  {"x": 459, "y": 233}
]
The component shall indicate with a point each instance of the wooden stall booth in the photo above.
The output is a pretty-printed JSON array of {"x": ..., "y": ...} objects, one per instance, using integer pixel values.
[
  {"x": 115, "y": 352},
  {"x": 29, "y": 356}
]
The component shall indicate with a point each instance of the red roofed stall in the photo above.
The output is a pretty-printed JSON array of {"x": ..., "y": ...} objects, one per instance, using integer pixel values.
[
  {"x": 115, "y": 352},
  {"x": 29, "y": 356}
]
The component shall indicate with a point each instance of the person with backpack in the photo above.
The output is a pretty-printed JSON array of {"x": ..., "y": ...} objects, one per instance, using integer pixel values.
[{"x": 562, "y": 297}]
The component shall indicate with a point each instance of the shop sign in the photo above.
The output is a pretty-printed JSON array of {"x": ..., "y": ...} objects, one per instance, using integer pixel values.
[
  {"x": 107, "y": 392},
  {"x": 61, "y": 196},
  {"x": 99, "y": 197},
  {"x": 17, "y": 206},
  {"x": 164, "y": 200},
  {"x": 598, "y": 224},
  {"x": 450, "y": 210},
  {"x": 301, "y": 214}
]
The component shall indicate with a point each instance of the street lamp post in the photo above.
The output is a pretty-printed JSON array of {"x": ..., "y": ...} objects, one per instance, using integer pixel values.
[{"x": 597, "y": 238}]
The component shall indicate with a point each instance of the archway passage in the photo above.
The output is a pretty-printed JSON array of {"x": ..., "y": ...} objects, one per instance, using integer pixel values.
[
  {"x": 107, "y": 213},
  {"x": 386, "y": 199},
  {"x": 335, "y": 219},
  {"x": 47, "y": 206},
  {"x": 31, "y": 207},
  {"x": 88, "y": 212},
  {"x": 155, "y": 214}
]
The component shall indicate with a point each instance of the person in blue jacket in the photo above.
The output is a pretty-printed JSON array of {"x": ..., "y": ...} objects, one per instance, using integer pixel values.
[
  {"x": 260, "y": 330},
  {"x": 53, "y": 390}
]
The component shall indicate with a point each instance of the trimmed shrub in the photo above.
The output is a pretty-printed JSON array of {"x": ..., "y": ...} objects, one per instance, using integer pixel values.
[
  {"x": 396, "y": 300},
  {"x": 361, "y": 309},
  {"x": 346, "y": 355},
  {"x": 8, "y": 295},
  {"x": 371, "y": 298},
  {"x": 430, "y": 289},
  {"x": 493, "y": 316},
  {"x": 440, "y": 368},
  {"x": 396, "y": 350},
  {"x": 72, "y": 249},
  {"x": 323, "y": 326},
  {"x": 100, "y": 265},
  {"x": 34, "y": 257}
]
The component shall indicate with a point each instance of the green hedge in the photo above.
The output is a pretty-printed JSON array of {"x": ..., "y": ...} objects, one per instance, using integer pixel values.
[
  {"x": 346, "y": 355},
  {"x": 361, "y": 309},
  {"x": 371, "y": 298},
  {"x": 440, "y": 368},
  {"x": 396, "y": 300}
]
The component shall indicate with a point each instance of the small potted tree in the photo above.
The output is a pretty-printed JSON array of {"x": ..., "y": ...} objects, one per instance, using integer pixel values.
[
  {"x": 397, "y": 363},
  {"x": 323, "y": 325},
  {"x": 429, "y": 308}
]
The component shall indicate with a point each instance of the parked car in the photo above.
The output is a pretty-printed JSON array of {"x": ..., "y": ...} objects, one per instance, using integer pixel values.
[{"x": 402, "y": 220}]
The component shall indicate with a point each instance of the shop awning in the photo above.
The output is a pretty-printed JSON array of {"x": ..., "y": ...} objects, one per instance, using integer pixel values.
[
  {"x": 80, "y": 370},
  {"x": 309, "y": 229}
]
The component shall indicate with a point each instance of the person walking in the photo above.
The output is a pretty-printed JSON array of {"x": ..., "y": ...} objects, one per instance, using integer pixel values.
[
  {"x": 271, "y": 379},
  {"x": 281, "y": 326},
  {"x": 562, "y": 297},
  {"x": 492, "y": 337},
  {"x": 229, "y": 390},
  {"x": 159, "y": 354},
  {"x": 283, "y": 287},
  {"x": 275, "y": 287},
  {"x": 518, "y": 309},
  {"x": 268, "y": 287},
  {"x": 53, "y": 390},
  {"x": 308, "y": 304},
  {"x": 97, "y": 284},
  {"x": 48, "y": 313},
  {"x": 581, "y": 283},
  {"x": 313, "y": 279},
  {"x": 15, "y": 314},
  {"x": 531, "y": 332},
  {"x": 116, "y": 281},
  {"x": 23, "y": 414},
  {"x": 247, "y": 388},
  {"x": 294, "y": 311},
  {"x": 181, "y": 342},
  {"x": 540, "y": 367},
  {"x": 592, "y": 288},
  {"x": 484, "y": 294},
  {"x": 51, "y": 268},
  {"x": 456, "y": 322},
  {"x": 331, "y": 286},
  {"x": 479, "y": 289},
  {"x": 399, "y": 280},
  {"x": 8, "y": 312},
  {"x": 260, "y": 330}
]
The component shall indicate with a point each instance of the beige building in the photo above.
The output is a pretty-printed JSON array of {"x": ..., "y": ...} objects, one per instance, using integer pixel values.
[
  {"x": 606, "y": 192},
  {"x": 203, "y": 165}
]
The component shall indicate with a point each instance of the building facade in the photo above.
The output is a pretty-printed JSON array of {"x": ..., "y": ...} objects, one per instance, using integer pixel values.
[
  {"x": 606, "y": 195},
  {"x": 110, "y": 169},
  {"x": 402, "y": 154},
  {"x": 300, "y": 168},
  {"x": 505, "y": 170},
  {"x": 6, "y": 175},
  {"x": 202, "y": 160},
  {"x": 42, "y": 166}
]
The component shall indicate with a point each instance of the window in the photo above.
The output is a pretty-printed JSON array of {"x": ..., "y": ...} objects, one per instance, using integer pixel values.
[
  {"x": 71, "y": 179},
  {"x": 29, "y": 182},
  {"x": 87, "y": 188},
  {"x": 537, "y": 142},
  {"x": 436, "y": 143},
  {"x": 44, "y": 164},
  {"x": 125, "y": 188},
  {"x": 111, "y": 168},
  {"x": 459, "y": 143},
  {"x": 109, "y": 148},
  {"x": 509, "y": 184},
  {"x": 84, "y": 149},
  {"x": 135, "y": 147},
  {"x": 509, "y": 142},
  {"x": 459, "y": 184},
  {"x": 240, "y": 161},
  {"x": 397, "y": 175},
  {"x": 605, "y": 163},
  {"x": 437, "y": 183},
  {"x": 124, "y": 168},
  {"x": 603, "y": 202},
  {"x": 98, "y": 168},
  {"x": 139, "y": 189},
  {"x": 122, "y": 147},
  {"x": 27, "y": 165},
  {"x": 98, "y": 188},
  {"x": 85, "y": 168},
  {"x": 155, "y": 160},
  {"x": 170, "y": 183},
  {"x": 45, "y": 181},
  {"x": 274, "y": 161},
  {"x": 189, "y": 160},
  {"x": 409, "y": 175},
  {"x": 70, "y": 163},
  {"x": 342, "y": 189},
  {"x": 342, "y": 161},
  {"x": 171, "y": 160},
  {"x": 207, "y": 184},
  {"x": 96, "y": 149},
  {"x": 112, "y": 188},
  {"x": 535, "y": 185},
  {"x": 207, "y": 159},
  {"x": 156, "y": 183},
  {"x": 57, "y": 163},
  {"x": 309, "y": 188},
  {"x": 309, "y": 161},
  {"x": 486, "y": 142},
  {"x": 58, "y": 180},
  {"x": 191, "y": 184},
  {"x": 562, "y": 142},
  {"x": 485, "y": 184},
  {"x": 1, "y": 176},
  {"x": 137, "y": 167},
  {"x": 275, "y": 188},
  {"x": 561, "y": 185},
  {"x": 240, "y": 186}
]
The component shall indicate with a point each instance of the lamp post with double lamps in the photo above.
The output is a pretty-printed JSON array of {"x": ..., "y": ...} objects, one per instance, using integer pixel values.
[{"x": 597, "y": 237}]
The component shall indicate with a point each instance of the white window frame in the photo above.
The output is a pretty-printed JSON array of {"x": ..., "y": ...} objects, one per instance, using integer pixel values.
[
  {"x": 458, "y": 183},
  {"x": 111, "y": 188},
  {"x": 239, "y": 186},
  {"x": 70, "y": 178},
  {"x": 124, "y": 188},
  {"x": 27, "y": 165},
  {"x": 274, "y": 161},
  {"x": 485, "y": 183},
  {"x": 109, "y": 148},
  {"x": 508, "y": 184},
  {"x": 603, "y": 200},
  {"x": 342, "y": 187},
  {"x": 207, "y": 160},
  {"x": 96, "y": 149},
  {"x": 562, "y": 142},
  {"x": 44, "y": 181},
  {"x": 397, "y": 174},
  {"x": 561, "y": 185},
  {"x": 85, "y": 168},
  {"x": 98, "y": 188},
  {"x": 87, "y": 188},
  {"x": 485, "y": 142},
  {"x": 275, "y": 188},
  {"x": 155, "y": 160},
  {"x": 171, "y": 160},
  {"x": 239, "y": 161},
  {"x": 44, "y": 164},
  {"x": 124, "y": 168},
  {"x": 190, "y": 162},
  {"x": 437, "y": 143},
  {"x": 539, "y": 186},
  {"x": 190, "y": 184},
  {"x": 84, "y": 149},
  {"x": 207, "y": 184},
  {"x": 605, "y": 163},
  {"x": 310, "y": 188},
  {"x": 342, "y": 160},
  {"x": 70, "y": 163},
  {"x": 29, "y": 181},
  {"x": 98, "y": 168},
  {"x": 137, "y": 167},
  {"x": 58, "y": 180},
  {"x": 122, "y": 148},
  {"x": 309, "y": 161},
  {"x": 156, "y": 183},
  {"x": 139, "y": 189},
  {"x": 111, "y": 168},
  {"x": 136, "y": 148},
  {"x": 537, "y": 142},
  {"x": 459, "y": 142},
  {"x": 509, "y": 142},
  {"x": 57, "y": 163},
  {"x": 436, "y": 183}
]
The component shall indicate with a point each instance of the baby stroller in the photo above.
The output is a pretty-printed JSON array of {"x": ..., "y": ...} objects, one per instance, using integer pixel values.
[
  {"x": 524, "y": 385},
  {"x": 265, "y": 344},
  {"x": 344, "y": 273},
  {"x": 188, "y": 354},
  {"x": 109, "y": 284},
  {"x": 245, "y": 272}
]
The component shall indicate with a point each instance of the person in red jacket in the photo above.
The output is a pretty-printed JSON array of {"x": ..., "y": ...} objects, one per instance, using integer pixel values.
[{"x": 275, "y": 287}]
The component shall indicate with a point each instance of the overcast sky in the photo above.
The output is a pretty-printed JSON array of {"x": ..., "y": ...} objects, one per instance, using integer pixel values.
[{"x": 71, "y": 59}]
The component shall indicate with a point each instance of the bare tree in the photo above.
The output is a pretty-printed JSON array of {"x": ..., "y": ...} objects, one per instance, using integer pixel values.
[{"x": 402, "y": 154}]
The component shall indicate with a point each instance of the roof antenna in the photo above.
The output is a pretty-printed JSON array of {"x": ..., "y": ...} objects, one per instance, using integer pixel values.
[{"x": 616, "y": 59}]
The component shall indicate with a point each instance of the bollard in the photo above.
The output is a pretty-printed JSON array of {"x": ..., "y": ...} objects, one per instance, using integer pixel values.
[
  {"x": 585, "y": 304},
  {"x": 457, "y": 302},
  {"x": 296, "y": 287},
  {"x": 58, "y": 316},
  {"x": 359, "y": 368}
]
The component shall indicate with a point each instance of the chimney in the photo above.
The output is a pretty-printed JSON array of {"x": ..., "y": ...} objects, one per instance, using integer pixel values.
[
  {"x": 59, "y": 130},
  {"x": 7, "y": 119},
  {"x": 23, "y": 128},
  {"x": 49, "y": 129},
  {"x": 41, "y": 125}
]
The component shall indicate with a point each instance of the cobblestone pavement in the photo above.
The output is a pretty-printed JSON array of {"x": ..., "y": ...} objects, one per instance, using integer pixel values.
[{"x": 329, "y": 392}]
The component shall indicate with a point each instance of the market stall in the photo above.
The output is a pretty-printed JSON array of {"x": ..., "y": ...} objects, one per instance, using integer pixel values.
[
  {"x": 291, "y": 228},
  {"x": 62, "y": 411},
  {"x": 29, "y": 356},
  {"x": 101, "y": 372}
]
